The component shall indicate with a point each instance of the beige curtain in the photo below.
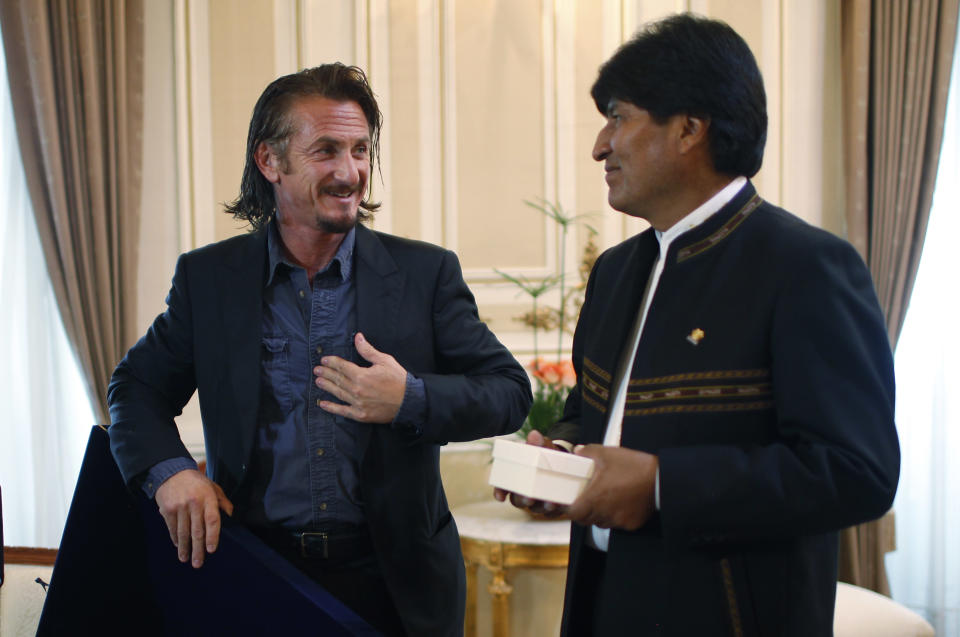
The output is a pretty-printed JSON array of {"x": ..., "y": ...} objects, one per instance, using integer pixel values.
[
  {"x": 897, "y": 56},
  {"x": 76, "y": 78}
]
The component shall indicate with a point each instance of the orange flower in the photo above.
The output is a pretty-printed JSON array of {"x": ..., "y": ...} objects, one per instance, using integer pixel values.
[{"x": 558, "y": 374}]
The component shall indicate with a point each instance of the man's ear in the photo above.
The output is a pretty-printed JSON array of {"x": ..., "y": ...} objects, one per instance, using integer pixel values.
[
  {"x": 267, "y": 162},
  {"x": 693, "y": 132}
]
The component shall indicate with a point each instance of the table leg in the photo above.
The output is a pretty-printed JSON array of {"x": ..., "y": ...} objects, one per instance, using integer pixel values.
[
  {"x": 500, "y": 590},
  {"x": 470, "y": 617}
]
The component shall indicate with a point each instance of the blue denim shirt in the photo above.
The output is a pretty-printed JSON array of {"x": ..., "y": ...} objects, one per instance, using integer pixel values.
[{"x": 305, "y": 469}]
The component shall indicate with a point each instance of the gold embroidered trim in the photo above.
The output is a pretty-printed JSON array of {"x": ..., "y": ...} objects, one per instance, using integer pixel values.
[
  {"x": 593, "y": 367},
  {"x": 594, "y": 403},
  {"x": 737, "y": 625},
  {"x": 602, "y": 391},
  {"x": 596, "y": 381},
  {"x": 713, "y": 375},
  {"x": 722, "y": 232},
  {"x": 712, "y": 407},
  {"x": 716, "y": 391}
]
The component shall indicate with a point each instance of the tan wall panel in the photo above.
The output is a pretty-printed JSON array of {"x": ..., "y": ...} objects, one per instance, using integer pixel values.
[
  {"x": 830, "y": 159},
  {"x": 241, "y": 66},
  {"x": 159, "y": 222},
  {"x": 402, "y": 124},
  {"x": 746, "y": 18},
  {"x": 591, "y": 189},
  {"x": 499, "y": 133}
]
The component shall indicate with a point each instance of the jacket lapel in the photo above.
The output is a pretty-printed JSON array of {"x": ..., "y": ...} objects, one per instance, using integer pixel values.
[
  {"x": 619, "y": 295},
  {"x": 240, "y": 286},
  {"x": 379, "y": 286}
]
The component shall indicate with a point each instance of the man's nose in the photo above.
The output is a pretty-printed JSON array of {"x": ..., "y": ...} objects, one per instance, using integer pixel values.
[
  {"x": 347, "y": 170},
  {"x": 601, "y": 147}
]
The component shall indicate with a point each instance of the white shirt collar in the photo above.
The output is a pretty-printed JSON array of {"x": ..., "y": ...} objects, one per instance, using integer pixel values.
[{"x": 702, "y": 213}]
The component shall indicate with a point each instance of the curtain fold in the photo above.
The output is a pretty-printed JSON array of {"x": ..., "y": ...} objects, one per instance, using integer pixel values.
[
  {"x": 76, "y": 78},
  {"x": 896, "y": 57}
]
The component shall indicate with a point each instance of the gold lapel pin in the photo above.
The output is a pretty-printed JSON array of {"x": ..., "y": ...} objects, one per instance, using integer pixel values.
[{"x": 695, "y": 336}]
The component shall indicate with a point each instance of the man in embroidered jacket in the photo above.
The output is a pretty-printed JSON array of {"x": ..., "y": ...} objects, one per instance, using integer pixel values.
[{"x": 756, "y": 417}]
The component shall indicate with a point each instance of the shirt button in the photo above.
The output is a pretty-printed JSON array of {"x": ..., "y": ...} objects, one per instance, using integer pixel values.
[
  {"x": 323, "y": 506},
  {"x": 318, "y": 402},
  {"x": 302, "y": 294},
  {"x": 320, "y": 452},
  {"x": 319, "y": 350}
]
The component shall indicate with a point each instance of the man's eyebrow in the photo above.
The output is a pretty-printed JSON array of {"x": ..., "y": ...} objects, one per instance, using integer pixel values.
[{"x": 336, "y": 141}]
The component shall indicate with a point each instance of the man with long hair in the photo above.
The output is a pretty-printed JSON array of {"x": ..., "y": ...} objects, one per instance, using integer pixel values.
[{"x": 331, "y": 362}]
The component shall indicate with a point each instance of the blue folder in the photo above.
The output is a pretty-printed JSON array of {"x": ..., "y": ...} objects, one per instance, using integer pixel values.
[{"x": 117, "y": 573}]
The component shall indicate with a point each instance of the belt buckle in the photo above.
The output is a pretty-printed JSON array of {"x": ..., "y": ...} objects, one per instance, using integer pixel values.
[{"x": 303, "y": 544}]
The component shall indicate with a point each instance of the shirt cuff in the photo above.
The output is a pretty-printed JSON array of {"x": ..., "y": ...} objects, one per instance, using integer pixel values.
[
  {"x": 413, "y": 409},
  {"x": 163, "y": 471}
]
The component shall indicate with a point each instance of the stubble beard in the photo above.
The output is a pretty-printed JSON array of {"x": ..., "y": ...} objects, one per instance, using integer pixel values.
[{"x": 337, "y": 226}]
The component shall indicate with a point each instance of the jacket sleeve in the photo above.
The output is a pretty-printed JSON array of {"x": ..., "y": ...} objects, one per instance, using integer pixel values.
[
  {"x": 478, "y": 388},
  {"x": 151, "y": 385}
]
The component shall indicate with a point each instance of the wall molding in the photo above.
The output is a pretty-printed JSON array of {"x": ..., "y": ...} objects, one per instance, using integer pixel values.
[
  {"x": 194, "y": 142},
  {"x": 374, "y": 21}
]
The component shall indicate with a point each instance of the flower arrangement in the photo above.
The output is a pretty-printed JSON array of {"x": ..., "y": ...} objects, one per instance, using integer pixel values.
[
  {"x": 552, "y": 384},
  {"x": 553, "y": 379}
]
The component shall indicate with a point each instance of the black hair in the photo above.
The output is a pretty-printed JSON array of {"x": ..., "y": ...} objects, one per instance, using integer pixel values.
[
  {"x": 699, "y": 67},
  {"x": 271, "y": 123}
]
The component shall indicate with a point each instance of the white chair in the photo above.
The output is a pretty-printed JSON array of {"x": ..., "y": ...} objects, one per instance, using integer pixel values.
[{"x": 863, "y": 613}]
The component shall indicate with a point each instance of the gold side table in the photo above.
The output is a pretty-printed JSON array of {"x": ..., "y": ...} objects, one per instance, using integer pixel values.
[{"x": 500, "y": 537}]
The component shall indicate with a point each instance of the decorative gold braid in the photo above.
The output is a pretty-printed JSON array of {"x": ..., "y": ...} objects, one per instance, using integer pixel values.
[
  {"x": 721, "y": 233},
  {"x": 711, "y": 375},
  {"x": 735, "y": 621},
  {"x": 591, "y": 384},
  {"x": 713, "y": 407},
  {"x": 594, "y": 403},
  {"x": 596, "y": 369},
  {"x": 692, "y": 393}
]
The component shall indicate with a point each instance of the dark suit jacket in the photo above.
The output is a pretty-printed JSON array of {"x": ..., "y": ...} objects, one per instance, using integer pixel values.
[
  {"x": 774, "y": 429},
  {"x": 412, "y": 303}
]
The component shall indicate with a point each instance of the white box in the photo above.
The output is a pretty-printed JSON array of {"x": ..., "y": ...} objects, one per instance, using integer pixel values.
[{"x": 536, "y": 472}]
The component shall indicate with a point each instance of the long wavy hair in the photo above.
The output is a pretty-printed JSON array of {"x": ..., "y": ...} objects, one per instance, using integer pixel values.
[{"x": 271, "y": 123}]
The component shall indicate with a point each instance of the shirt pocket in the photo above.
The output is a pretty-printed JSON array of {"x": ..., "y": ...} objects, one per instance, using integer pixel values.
[{"x": 275, "y": 377}]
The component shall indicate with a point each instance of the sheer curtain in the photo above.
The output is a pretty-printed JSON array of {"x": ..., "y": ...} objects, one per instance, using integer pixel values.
[
  {"x": 925, "y": 569},
  {"x": 45, "y": 416}
]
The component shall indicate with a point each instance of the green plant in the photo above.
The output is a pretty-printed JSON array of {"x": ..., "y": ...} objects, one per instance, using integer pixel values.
[{"x": 553, "y": 380}]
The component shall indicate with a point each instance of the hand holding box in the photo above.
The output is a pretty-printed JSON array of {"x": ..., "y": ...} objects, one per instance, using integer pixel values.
[{"x": 539, "y": 473}]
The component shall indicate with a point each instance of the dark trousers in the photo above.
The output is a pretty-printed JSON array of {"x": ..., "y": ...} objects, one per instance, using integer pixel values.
[
  {"x": 586, "y": 622},
  {"x": 354, "y": 580}
]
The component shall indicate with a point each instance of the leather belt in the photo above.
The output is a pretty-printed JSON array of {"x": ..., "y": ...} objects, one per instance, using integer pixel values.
[
  {"x": 338, "y": 547},
  {"x": 333, "y": 546}
]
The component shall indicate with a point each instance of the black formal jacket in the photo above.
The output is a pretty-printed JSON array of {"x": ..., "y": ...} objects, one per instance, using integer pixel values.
[
  {"x": 764, "y": 383},
  {"x": 412, "y": 303}
]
